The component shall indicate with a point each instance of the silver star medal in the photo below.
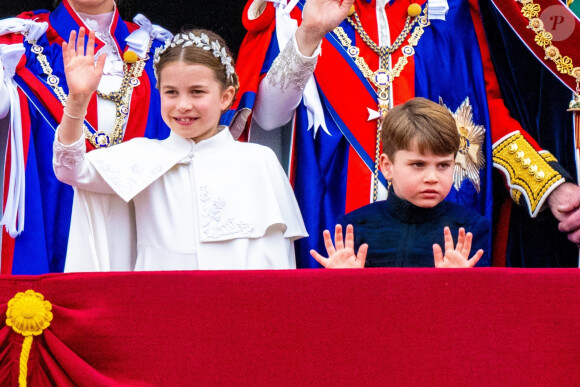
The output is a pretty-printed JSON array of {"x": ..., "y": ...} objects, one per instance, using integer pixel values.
[{"x": 469, "y": 159}]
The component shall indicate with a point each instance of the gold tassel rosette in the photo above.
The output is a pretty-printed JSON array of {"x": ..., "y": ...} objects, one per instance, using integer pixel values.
[{"x": 29, "y": 314}]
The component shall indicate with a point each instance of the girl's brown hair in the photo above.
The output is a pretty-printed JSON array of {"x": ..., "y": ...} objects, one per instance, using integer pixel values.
[{"x": 198, "y": 55}]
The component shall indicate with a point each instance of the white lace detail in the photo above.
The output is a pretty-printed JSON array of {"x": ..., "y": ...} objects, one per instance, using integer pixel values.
[
  {"x": 68, "y": 156},
  {"x": 215, "y": 222},
  {"x": 291, "y": 69},
  {"x": 124, "y": 179}
]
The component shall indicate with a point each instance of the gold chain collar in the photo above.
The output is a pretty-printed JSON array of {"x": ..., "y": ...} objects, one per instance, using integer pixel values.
[
  {"x": 383, "y": 77},
  {"x": 120, "y": 98},
  {"x": 383, "y": 51}
]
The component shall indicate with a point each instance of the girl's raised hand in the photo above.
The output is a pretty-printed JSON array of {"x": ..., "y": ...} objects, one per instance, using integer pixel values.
[
  {"x": 82, "y": 73},
  {"x": 457, "y": 257},
  {"x": 341, "y": 254}
]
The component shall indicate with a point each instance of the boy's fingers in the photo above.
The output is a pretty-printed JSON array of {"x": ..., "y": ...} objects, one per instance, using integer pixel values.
[
  {"x": 467, "y": 245},
  {"x": 338, "y": 238},
  {"x": 448, "y": 239},
  {"x": 460, "y": 239},
  {"x": 349, "y": 237},
  {"x": 319, "y": 258},
  {"x": 328, "y": 243},
  {"x": 362, "y": 253},
  {"x": 473, "y": 261},
  {"x": 437, "y": 254}
]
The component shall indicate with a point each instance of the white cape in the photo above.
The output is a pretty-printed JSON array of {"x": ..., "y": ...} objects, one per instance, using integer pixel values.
[{"x": 218, "y": 204}]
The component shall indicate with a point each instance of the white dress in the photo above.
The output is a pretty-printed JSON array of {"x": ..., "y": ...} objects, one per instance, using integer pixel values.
[{"x": 217, "y": 204}]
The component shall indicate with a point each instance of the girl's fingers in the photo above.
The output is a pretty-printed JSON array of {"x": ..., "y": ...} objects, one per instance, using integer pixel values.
[
  {"x": 65, "y": 54},
  {"x": 101, "y": 63},
  {"x": 91, "y": 44},
  {"x": 72, "y": 40},
  {"x": 81, "y": 42}
]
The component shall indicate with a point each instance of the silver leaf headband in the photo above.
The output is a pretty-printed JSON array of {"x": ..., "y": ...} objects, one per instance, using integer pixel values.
[{"x": 202, "y": 41}]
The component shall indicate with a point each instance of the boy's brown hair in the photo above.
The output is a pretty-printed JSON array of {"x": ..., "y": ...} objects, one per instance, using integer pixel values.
[{"x": 431, "y": 124}]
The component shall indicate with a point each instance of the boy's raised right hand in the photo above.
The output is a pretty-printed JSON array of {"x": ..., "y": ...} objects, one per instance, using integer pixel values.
[
  {"x": 341, "y": 254},
  {"x": 457, "y": 257}
]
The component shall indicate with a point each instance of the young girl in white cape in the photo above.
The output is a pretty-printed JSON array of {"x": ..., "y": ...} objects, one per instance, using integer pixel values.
[{"x": 200, "y": 199}]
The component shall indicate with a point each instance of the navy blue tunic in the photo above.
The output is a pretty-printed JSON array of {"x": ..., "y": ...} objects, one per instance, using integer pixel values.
[{"x": 400, "y": 234}]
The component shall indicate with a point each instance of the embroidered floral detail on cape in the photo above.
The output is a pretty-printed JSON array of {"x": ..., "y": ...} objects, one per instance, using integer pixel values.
[{"x": 215, "y": 221}]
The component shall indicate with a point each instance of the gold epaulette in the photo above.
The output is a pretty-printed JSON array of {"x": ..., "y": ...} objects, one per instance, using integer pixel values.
[{"x": 528, "y": 173}]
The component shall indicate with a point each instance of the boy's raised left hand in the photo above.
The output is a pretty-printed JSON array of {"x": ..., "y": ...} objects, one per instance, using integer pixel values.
[{"x": 457, "y": 257}]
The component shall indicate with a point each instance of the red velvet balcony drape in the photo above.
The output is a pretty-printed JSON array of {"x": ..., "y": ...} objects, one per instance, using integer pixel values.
[{"x": 302, "y": 327}]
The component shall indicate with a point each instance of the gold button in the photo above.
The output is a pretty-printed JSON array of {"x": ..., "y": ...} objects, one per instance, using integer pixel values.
[
  {"x": 526, "y": 162},
  {"x": 520, "y": 155},
  {"x": 540, "y": 176},
  {"x": 513, "y": 148}
]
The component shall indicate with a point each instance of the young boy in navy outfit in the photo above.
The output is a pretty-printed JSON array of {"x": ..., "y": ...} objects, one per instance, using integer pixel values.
[{"x": 420, "y": 142}]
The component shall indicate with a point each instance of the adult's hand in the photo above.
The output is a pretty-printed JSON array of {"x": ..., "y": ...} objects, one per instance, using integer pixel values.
[
  {"x": 564, "y": 203},
  {"x": 318, "y": 18}
]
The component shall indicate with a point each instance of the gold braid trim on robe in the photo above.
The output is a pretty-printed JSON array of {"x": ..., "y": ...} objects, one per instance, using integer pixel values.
[{"x": 529, "y": 175}]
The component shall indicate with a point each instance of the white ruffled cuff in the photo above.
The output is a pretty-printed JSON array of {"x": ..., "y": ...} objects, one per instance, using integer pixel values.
[{"x": 67, "y": 156}]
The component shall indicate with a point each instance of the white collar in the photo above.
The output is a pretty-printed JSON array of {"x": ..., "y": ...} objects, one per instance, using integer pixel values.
[{"x": 221, "y": 139}]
